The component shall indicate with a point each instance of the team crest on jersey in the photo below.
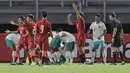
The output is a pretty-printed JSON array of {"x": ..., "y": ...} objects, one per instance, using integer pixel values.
[{"x": 99, "y": 26}]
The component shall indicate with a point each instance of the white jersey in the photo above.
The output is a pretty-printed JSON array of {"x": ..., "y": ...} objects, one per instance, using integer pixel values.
[
  {"x": 13, "y": 37},
  {"x": 50, "y": 39},
  {"x": 98, "y": 30},
  {"x": 68, "y": 36}
]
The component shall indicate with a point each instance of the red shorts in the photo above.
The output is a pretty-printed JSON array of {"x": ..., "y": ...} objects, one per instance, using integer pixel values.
[
  {"x": 81, "y": 41},
  {"x": 22, "y": 43},
  {"x": 31, "y": 45},
  {"x": 43, "y": 43}
]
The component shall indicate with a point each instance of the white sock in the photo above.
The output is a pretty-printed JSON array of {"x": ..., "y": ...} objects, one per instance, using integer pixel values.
[
  {"x": 57, "y": 56},
  {"x": 18, "y": 60},
  {"x": 104, "y": 56},
  {"x": 71, "y": 58},
  {"x": 13, "y": 55},
  {"x": 67, "y": 56},
  {"x": 32, "y": 61},
  {"x": 50, "y": 56},
  {"x": 93, "y": 56},
  {"x": 54, "y": 57}
]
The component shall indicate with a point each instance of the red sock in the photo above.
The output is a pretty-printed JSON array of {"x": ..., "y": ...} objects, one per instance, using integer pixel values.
[
  {"x": 81, "y": 53},
  {"x": 16, "y": 55},
  {"x": 43, "y": 57}
]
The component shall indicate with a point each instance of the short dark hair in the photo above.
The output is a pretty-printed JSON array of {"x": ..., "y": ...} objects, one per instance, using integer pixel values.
[
  {"x": 113, "y": 14},
  {"x": 22, "y": 17},
  {"x": 98, "y": 15},
  {"x": 81, "y": 13},
  {"x": 30, "y": 16},
  {"x": 59, "y": 30},
  {"x": 44, "y": 14}
]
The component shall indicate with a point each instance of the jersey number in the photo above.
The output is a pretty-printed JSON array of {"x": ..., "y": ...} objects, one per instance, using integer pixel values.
[
  {"x": 34, "y": 31},
  {"x": 42, "y": 28}
]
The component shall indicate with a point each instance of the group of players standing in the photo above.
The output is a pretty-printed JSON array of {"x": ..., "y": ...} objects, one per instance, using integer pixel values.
[{"x": 32, "y": 34}]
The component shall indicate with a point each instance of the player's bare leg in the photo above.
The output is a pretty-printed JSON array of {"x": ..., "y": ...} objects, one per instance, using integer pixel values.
[
  {"x": 13, "y": 53},
  {"x": 93, "y": 53},
  {"x": 28, "y": 55},
  {"x": 33, "y": 55},
  {"x": 16, "y": 56},
  {"x": 42, "y": 58},
  {"x": 81, "y": 55},
  {"x": 104, "y": 55},
  {"x": 93, "y": 56},
  {"x": 69, "y": 56}
]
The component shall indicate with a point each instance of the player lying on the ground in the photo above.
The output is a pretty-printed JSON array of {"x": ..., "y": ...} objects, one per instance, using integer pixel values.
[
  {"x": 98, "y": 29},
  {"x": 11, "y": 42}
]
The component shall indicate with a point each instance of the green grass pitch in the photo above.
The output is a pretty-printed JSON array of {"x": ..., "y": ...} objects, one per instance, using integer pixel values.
[{"x": 69, "y": 68}]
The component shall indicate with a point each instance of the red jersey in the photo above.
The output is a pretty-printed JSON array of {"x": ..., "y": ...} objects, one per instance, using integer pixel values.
[
  {"x": 43, "y": 27},
  {"x": 30, "y": 27},
  {"x": 80, "y": 25},
  {"x": 22, "y": 31}
]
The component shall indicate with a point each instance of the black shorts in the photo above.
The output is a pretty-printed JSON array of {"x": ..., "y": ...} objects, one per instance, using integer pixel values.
[{"x": 117, "y": 41}]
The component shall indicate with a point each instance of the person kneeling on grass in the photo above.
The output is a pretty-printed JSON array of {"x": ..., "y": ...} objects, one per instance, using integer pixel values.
[
  {"x": 69, "y": 41},
  {"x": 54, "y": 46}
]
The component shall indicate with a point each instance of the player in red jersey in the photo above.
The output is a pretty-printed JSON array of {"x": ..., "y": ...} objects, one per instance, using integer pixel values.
[
  {"x": 43, "y": 28},
  {"x": 22, "y": 43},
  {"x": 23, "y": 39},
  {"x": 80, "y": 25},
  {"x": 30, "y": 25}
]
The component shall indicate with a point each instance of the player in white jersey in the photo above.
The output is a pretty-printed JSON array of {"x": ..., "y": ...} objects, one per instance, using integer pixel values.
[
  {"x": 69, "y": 41},
  {"x": 54, "y": 34},
  {"x": 51, "y": 55},
  {"x": 98, "y": 29},
  {"x": 12, "y": 41}
]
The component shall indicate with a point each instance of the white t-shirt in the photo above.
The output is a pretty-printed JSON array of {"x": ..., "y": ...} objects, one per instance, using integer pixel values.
[
  {"x": 50, "y": 39},
  {"x": 68, "y": 36},
  {"x": 98, "y": 30},
  {"x": 13, "y": 37}
]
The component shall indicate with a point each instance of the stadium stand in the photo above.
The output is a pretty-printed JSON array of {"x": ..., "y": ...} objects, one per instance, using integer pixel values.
[{"x": 63, "y": 7}]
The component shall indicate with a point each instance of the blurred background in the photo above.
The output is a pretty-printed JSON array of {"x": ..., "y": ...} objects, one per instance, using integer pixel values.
[{"x": 59, "y": 9}]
